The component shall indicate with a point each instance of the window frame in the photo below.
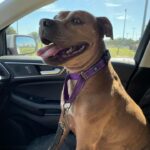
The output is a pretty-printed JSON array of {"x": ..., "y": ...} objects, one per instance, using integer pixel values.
[
  {"x": 3, "y": 42},
  {"x": 138, "y": 54},
  {"x": 142, "y": 45}
]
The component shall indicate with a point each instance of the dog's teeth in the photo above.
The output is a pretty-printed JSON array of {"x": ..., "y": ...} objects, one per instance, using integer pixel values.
[
  {"x": 51, "y": 44},
  {"x": 69, "y": 51},
  {"x": 75, "y": 52},
  {"x": 80, "y": 50},
  {"x": 83, "y": 46}
]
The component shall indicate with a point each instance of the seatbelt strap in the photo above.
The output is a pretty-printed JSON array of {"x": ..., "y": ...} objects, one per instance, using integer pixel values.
[{"x": 57, "y": 138}]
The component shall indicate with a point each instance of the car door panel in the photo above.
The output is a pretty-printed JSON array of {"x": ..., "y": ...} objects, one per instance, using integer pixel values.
[
  {"x": 33, "y": 97},
  {"x": 32, "y": 89},
  {"x": 35, "y": 89},
  {"x": 39, "y": 95}
]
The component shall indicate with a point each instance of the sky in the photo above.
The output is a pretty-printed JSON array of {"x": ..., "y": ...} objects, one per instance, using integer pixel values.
[
  {"x": 2, "y": 1},
  {"x": 114, "y": 10}
]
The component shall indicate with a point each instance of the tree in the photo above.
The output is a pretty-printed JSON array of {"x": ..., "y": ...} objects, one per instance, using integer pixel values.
[
  {"x": 11, "y": 30},
  {"x": 34, "y": 35}
]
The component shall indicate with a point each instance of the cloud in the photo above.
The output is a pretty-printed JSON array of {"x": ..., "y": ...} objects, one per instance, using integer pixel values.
[
  {"x": 122, "y": 17},
  {"x": 50, "y": 8},
  {"x": 112, "y": 5}
]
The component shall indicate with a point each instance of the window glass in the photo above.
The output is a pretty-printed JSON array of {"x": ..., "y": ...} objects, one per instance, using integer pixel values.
[{"x": 128, "y": 17}]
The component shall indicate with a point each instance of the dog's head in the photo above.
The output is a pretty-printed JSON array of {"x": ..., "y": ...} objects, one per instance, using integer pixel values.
[{"x": 73, "y": 38}]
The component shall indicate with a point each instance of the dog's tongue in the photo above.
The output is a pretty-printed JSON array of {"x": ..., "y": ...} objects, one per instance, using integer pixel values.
[{"x": 48, "y": 51}]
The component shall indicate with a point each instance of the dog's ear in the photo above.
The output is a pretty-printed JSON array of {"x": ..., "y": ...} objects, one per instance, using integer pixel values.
[{"x": 105, "y": 27}]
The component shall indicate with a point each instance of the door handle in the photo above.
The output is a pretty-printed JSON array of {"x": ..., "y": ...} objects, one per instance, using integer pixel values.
[
  {"x": 55, "y": 71},
  {"x": 3, "y": 78}
]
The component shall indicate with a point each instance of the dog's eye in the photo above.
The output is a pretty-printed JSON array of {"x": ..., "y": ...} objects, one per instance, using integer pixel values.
[{"x": 76, "y": 21}]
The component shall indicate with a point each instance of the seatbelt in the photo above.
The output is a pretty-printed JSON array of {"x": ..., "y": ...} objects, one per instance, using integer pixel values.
[{"x": 57, "y": 138}]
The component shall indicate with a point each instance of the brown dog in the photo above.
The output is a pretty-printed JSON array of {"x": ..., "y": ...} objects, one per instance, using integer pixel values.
[{"x": 102, "y": 116}]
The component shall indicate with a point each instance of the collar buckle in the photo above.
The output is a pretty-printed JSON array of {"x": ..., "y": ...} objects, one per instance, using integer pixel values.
[{"x": 83, "y": 75}]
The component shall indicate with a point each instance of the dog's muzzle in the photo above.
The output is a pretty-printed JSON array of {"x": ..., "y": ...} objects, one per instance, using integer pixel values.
[
  {"x": 47, "y": 23},
  {"x": 46, "y": 30}
]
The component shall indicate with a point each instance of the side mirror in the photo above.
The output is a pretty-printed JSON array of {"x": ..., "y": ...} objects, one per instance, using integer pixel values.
[{"x": 21, "y": 44}]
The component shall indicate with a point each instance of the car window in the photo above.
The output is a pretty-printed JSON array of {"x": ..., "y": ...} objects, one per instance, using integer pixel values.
[{"x": 128, "y": 17}]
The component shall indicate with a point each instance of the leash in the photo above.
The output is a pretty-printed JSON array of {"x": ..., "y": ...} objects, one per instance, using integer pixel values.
[
  {"x": 81, "y": 79},
  {"x": 57, "y": 138}
]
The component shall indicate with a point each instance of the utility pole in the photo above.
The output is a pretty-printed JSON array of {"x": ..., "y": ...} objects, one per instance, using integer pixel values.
[
  {"x": 144, "y": 17},
  {"x": 133, "y": 33},
  {"x": 124, "y": 26},
  {"x": 127, "y": 35}
]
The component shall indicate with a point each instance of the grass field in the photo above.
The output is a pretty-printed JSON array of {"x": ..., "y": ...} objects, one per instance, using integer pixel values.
[
  {"x": 121, "y": 52},
  {"x": 115, "y": 52},
  {"x": 27, "y": 50}
]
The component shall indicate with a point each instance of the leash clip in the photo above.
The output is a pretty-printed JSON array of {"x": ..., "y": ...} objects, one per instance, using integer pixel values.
[{"x": 84, "y": 76}]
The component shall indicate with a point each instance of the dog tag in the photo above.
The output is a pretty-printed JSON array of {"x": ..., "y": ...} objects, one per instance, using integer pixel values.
[{"x": 66, "y": 107}]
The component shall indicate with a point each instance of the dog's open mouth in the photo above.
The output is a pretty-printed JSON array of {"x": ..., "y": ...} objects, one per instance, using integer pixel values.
[{"x": 54, "y": 51}]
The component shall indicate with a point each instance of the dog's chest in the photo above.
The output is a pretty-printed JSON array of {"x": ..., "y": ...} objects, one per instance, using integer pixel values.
[{"x": 71, "y": 85}]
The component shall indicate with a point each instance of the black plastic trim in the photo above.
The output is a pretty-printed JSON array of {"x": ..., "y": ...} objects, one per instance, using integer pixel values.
[
  {"x": 4, "y": 74},
  {"x": 142, "y": 46},
  {"x": 39, "y": 109},
  {"x": 3, "y": 45}
]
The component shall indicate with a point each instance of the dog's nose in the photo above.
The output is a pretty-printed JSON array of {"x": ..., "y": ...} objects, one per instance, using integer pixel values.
[{"x": 47, "y": 22}]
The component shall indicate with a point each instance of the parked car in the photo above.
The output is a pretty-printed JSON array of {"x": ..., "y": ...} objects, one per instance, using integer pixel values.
[{"x": 30, "y": 89}]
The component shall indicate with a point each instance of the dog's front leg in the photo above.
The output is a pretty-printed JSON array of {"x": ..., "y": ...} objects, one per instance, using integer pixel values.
[{"x": 61, "y": 134}]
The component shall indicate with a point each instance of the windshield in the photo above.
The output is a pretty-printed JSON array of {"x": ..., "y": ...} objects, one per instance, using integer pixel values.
[{"x": 128, "y": 17}]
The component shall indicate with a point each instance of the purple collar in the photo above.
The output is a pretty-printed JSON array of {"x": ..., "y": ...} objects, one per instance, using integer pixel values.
[{"x": 83, "y": 76}]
